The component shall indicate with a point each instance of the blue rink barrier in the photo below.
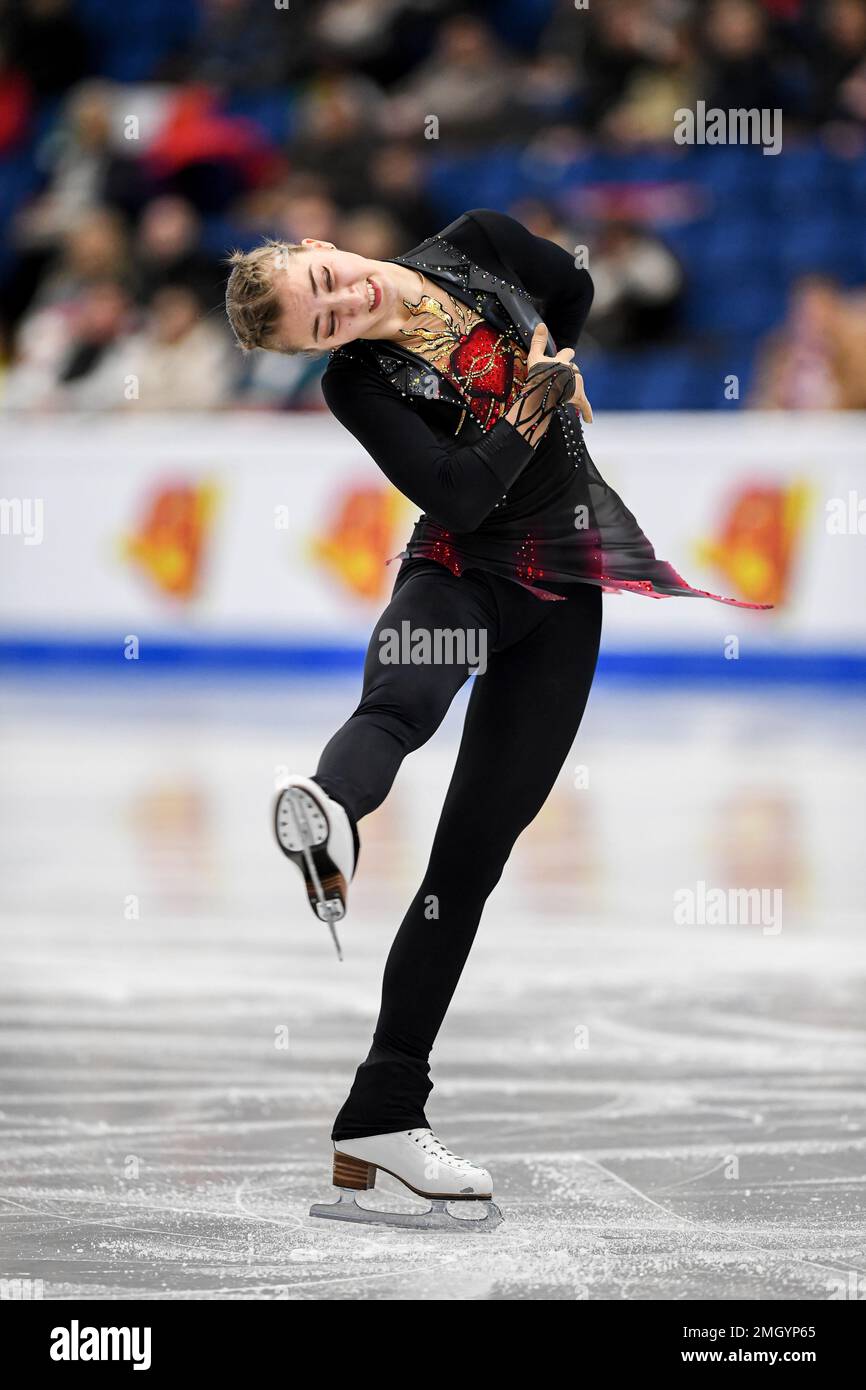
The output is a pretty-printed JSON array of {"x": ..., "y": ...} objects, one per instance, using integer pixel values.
[{"x": 167, "y": 656}]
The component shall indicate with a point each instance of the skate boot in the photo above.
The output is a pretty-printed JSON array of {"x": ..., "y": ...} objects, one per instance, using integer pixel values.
[
  {"x": 315, "y": 832},
  {"x": 423, "y": 1164}
]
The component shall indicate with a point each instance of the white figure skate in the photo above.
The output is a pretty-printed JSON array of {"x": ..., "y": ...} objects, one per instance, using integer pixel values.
[
  {"x": 418, "y": 1160},
  {"x": 314, "y": 831}
]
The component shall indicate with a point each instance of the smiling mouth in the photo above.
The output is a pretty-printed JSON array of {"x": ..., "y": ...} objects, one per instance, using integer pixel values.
[{"x": 374, "y": 296}]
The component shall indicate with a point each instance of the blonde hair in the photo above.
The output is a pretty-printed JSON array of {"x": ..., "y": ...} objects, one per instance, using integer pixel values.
[{"x": 252, "y": 304}]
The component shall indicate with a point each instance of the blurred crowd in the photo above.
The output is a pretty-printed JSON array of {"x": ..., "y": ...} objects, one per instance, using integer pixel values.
[{"x": 137, "y": 149}]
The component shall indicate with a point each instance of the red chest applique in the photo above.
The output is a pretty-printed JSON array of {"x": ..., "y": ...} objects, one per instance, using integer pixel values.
[{"x": 487, "y": 368}]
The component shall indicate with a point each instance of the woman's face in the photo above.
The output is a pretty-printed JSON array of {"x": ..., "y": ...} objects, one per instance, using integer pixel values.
[{"x": 331, "y": 297}]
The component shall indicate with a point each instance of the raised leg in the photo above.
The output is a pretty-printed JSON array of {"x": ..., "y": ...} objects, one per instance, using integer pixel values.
[{"x": 403, "y": 703}]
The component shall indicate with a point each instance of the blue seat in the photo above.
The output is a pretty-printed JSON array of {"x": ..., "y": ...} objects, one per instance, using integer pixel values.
[
  {"x": 802, "y": 180},
  {"x": 743, "y": 303},
  {"x": 493, "y": 179},
  {"x": 453, "y": 184},
  {"x": 271, "y": 111},
  {"x": 130, "y": 41},
  {"x": 813, "y": 243},
  {"x": 613, "y": 379},
  {"x": 219, "y": 235},
  {"x": 686, "y": 239},
  {"x": 665, "y": 380},
  {"x": 853, "y": 181},
  {"x": 521, "y": 22},
  {"x": 19, "y": 178},
  {"x": 734, "y": 239},
  {"x": 730, "y": 173}
]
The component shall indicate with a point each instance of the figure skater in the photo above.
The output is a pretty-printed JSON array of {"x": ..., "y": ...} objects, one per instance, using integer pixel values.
[{"x": 453, "y": 366}]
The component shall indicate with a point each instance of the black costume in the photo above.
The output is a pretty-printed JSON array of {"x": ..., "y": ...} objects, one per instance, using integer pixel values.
[
  {"x": 492, "y": 500},
  {"x": 507, "y": 523}
]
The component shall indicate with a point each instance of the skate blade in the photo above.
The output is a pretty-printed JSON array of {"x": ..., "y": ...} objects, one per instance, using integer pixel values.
[
  {"x": 436, "y": 1218},
  {"x": 332, "y": 921},
  {"x": 328, "y": 910}
]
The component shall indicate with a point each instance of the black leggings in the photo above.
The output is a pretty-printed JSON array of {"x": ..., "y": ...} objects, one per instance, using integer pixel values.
[{"x": 521, "y": 721}]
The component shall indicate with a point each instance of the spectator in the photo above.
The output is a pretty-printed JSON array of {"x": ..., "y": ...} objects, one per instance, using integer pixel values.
[
  {"x": 639, "y": 286},
  {"x": 308, "y": 213},
  {"x": 66, "y": 352},
  {"x": 167, "y": 252},
  {"x": 544, "y": 220},
  {"x": 245, "y": 45},
  {"x": 740, "y": 66},
  {"x": 396, "y": 183},
  {"x": 206, "y": 155},
  {"x": 273, "y": 380},
  {"x": 95, "y": 247},
  {"x": 549, "y": 91},
  {"x": 609, "y": 45},
  {"x": 817, "y": 359},
  {"x": 383, "y": 39},
  {"x": 48, "y": 43},
  {"x": 85, "y": 169},
  {"x": 841, "y": 73},
  {"x": 179, "y": 360},
  {"x": 467, "y": 82},
  {"x": 296, "y": 207},
  {"x": 336, "y": 119},
  {"x": 372, "y": 233},
  {"x": 653, "y": 92}
]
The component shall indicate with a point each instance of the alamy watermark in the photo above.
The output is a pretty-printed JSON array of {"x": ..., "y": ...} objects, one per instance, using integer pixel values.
[
  {"x": 23, "y": 516},
  {"x": 753, "y": 126},
  {"x": 77, "y": 1343},
  {"x": 729, "y": 907},
  {"x": 437, "y": 646},
  {"x": 846, "y": 516}
]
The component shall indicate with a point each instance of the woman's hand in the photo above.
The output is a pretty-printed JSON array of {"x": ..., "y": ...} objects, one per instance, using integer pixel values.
[{"x": 538, "y": 353}]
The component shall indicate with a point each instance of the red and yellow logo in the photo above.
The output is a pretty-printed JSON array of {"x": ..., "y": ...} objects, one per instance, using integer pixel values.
[
  {"x": 757, "y": 540},
  {"x": 361, "y": 538},
  {"x": 169, "y": 544}
]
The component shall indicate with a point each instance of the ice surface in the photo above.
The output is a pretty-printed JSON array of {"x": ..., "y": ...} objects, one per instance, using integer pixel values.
[{"x": 158, "y": 1139}]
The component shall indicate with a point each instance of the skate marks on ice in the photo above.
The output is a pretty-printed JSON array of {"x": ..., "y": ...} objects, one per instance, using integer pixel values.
[
  {"x": 137, "y": 1163},
  {"x": 157, "y": 1141}
]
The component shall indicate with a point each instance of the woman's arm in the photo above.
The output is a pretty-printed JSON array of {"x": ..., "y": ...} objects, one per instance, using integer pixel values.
[
  {"x": 562, "y": 291},
  {"x": 458, "y": 485}
]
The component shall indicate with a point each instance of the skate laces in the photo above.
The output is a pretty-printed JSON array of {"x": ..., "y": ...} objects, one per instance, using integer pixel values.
[{"x": 433, "y": 1146}]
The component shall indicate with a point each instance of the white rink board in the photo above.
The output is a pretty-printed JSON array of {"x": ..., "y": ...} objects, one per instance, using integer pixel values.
[{"x": 260, "y": 581}]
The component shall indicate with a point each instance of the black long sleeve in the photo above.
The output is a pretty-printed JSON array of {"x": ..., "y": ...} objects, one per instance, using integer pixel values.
[
  {"x": 547, "y": 272},
  {"x": 457, "y": 485}
]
